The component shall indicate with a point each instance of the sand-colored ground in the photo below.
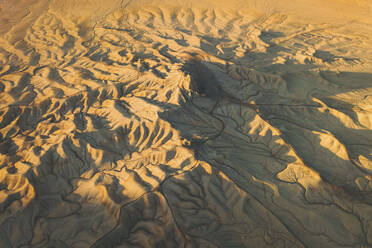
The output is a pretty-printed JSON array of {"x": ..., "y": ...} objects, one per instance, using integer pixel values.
[{"x": 185, "y": 123}]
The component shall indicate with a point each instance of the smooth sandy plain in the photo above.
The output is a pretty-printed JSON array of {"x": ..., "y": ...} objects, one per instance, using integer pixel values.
[{"x": 185, "y": 123}]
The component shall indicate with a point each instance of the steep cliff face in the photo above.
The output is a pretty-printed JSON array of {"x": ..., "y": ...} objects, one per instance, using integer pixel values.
[{"x": 185, "y": 124}]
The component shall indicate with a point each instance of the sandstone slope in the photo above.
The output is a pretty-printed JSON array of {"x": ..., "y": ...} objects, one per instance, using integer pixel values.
[{"x": 185, "y": 124}]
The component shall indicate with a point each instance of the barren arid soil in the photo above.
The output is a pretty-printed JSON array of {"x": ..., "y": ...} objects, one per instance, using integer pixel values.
[{"x": 192, "y": 123}]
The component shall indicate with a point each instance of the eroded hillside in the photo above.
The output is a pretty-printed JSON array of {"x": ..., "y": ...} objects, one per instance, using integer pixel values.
[{"x": 183, "y": 126}]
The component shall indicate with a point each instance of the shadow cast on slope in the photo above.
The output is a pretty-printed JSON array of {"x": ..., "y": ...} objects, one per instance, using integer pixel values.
[{"x": 233, "y": 191}]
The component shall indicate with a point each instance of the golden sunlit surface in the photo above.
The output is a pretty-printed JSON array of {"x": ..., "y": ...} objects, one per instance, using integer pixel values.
[{"x": 185, "y": 123}]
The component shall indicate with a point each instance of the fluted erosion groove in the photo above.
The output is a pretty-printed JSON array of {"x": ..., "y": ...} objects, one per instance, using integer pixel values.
[{"x": 183, "y": 126}]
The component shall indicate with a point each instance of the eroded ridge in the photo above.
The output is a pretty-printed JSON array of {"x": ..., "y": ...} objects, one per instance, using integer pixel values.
[{"x": 185, "y": 127}]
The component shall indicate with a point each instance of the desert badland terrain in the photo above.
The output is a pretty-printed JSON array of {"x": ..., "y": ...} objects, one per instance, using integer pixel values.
[{"x": 185, "y": 123}]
